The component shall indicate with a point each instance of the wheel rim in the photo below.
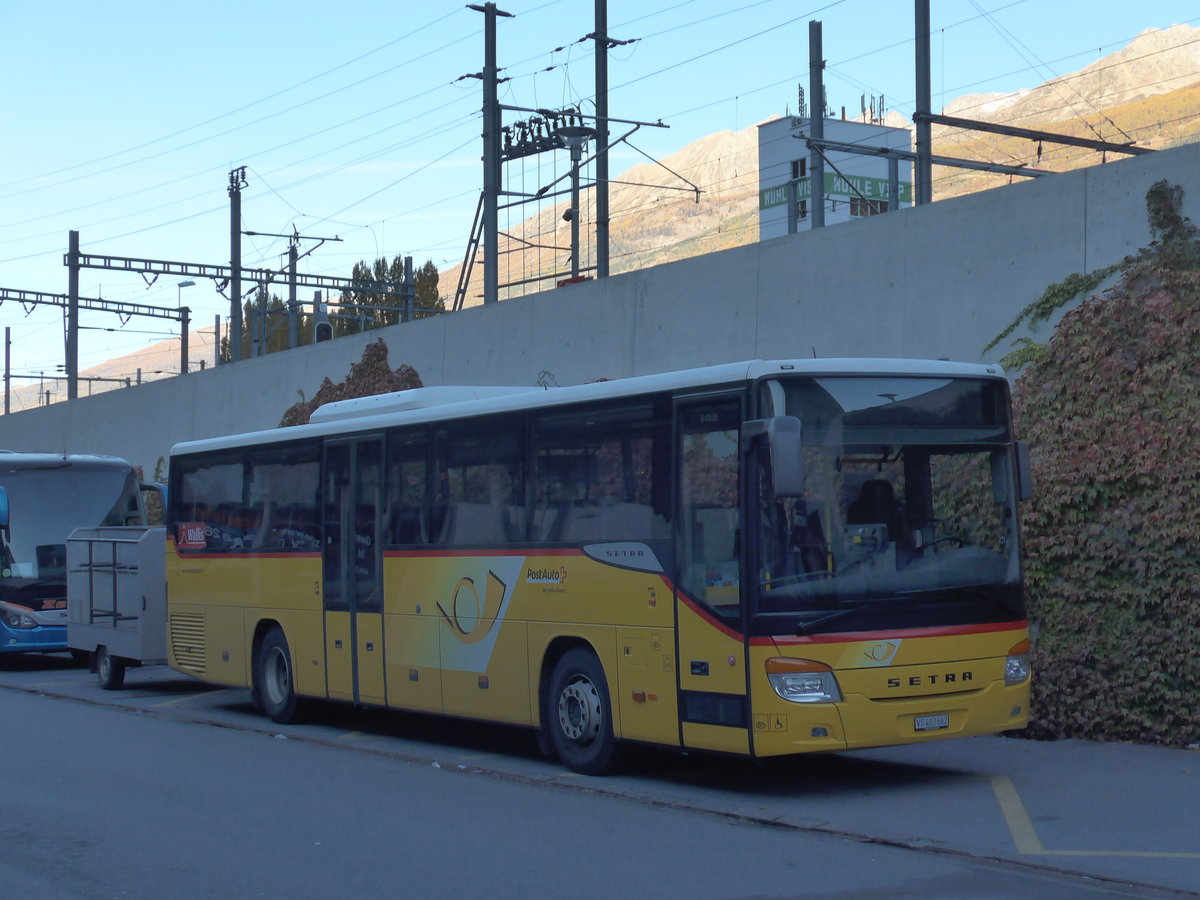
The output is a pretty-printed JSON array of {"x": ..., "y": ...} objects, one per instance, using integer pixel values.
[
  {"x": 579, "y": 711},
  {"x": 104, "y": 665},
  {"x": 278, "y": 679}
]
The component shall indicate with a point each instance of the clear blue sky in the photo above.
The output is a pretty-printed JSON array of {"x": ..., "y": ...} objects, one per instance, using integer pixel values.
[{"x": 123, "y": 120}]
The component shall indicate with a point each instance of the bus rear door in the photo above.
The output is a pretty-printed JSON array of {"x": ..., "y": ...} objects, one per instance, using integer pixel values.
[{"x": 353, "y": 593}]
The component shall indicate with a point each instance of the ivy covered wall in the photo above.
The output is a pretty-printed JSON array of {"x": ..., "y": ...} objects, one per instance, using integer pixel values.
[{"x": 1110, "y": 406}]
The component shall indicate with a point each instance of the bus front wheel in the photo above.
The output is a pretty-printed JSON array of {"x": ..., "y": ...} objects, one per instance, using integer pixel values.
[
  {"x": 578, "y": 714},
  {"x": 273, "y": 681},
  {"x": 109, "y": 669}
]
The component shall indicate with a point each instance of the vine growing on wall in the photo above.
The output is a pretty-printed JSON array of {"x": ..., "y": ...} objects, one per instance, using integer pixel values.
[
  {"x": 1111, "y": 409},
  {"x": 1164, "y": 202}
]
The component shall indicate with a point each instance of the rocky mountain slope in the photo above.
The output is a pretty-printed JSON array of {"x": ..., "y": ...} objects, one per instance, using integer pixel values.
[{"x": 1156, "y": 62}]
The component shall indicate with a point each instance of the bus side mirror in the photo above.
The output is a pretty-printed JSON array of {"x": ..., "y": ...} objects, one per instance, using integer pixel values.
[
  {"x": 3, "y": 507},
  {"x": 1024, "y": 472},
  {"x": 782, "y": 434}
]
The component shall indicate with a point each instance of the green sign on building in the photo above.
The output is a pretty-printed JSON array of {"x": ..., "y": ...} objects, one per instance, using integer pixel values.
[{"x": 835, "y": 186}]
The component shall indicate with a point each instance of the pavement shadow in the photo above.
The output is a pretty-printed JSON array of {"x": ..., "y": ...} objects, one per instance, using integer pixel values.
[
  {"x": 40, "y": 662},
  {"x": 807, "y": 775}
]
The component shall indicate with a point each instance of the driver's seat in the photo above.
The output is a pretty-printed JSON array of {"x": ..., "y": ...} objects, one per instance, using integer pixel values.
[{"x": 876, "y": 504}]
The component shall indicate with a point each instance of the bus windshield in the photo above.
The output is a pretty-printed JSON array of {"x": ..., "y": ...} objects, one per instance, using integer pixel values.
[{"x": 908, "y": 513}]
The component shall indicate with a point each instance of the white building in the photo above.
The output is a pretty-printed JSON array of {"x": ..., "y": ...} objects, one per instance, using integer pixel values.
[{"x": 855, "y": 185}]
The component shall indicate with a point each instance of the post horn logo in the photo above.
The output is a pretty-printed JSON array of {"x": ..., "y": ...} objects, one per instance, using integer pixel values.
[
  {"x": 881, "y": 653},
  {"x": 470, "y": 617}
]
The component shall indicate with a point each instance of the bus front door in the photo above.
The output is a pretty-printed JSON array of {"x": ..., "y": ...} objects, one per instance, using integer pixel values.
[
  {"x": 713, "y": 685},
  {"x": 353, "y": 593}
]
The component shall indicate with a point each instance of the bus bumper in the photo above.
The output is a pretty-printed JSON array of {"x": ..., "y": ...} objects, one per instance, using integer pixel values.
[
  {"x": 913, "y": 720},
  {"x": 859, "y": 722},
  {"x": 42, "y": 639}
]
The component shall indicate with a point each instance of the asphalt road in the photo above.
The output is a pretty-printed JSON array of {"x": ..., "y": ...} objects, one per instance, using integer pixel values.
[{"x": 172, "y": 788}]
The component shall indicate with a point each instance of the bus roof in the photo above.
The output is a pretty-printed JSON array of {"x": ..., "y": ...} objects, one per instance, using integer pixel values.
[
  {"x": 18, "y": 461},
  {"x": 419, "y": 405},
  {"x": 414, "y": 398}
]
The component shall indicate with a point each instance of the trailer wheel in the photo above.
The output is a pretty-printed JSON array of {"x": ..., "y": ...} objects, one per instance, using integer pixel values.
[
  {"x": 109, "y": 669},
  {"x": 273, "y": 679},
  {"x": 578, "y": 714}
]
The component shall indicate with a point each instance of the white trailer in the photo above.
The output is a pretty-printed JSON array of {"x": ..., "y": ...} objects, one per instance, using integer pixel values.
[{"x": 117, "y": 598}]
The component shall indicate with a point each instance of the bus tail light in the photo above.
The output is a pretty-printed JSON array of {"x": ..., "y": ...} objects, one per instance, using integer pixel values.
[
  {"x": 802, "y": 680},
  {"x": 1016, "y": 667}
]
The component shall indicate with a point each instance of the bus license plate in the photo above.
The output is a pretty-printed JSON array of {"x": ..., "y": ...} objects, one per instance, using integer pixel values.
[{"x": 932, "y": 723}]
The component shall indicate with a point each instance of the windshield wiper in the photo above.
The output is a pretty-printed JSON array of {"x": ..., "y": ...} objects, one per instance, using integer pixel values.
[{"x": 810, "y": 626}]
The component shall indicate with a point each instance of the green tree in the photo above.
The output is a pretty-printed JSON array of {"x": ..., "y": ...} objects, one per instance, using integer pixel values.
[
  {"x": 358, "y": 310},
  {"x": 359, "y": 306},
  {"x": 392, "y": 273},
  {"x": 425, "y": 283},
  {"x": 265, "y": 323}
]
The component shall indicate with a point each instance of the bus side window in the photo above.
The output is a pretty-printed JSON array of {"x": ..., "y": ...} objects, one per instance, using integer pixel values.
[
  {"x": 264, "y": 501},
  {"x": 481, "y": 483},
  {"x": 597, "y": 476},
  {"x": 404, "y": 506},
  {"x": 281, "y": 492},
  {"x": 202, "y": 502}
]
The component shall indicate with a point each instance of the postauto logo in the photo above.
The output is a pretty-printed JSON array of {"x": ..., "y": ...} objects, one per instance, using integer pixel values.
[{"x": 546, "y": 576}]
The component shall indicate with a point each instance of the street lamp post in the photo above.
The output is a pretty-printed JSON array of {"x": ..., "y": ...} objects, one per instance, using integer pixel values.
[{"x": 574, "y": 137}]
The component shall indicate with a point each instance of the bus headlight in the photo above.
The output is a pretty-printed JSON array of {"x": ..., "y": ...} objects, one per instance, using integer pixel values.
[
  {"x": 16, "y": 618},
  {"x": 802, "y": 680},
  {"x": 1016, "y": 666}
]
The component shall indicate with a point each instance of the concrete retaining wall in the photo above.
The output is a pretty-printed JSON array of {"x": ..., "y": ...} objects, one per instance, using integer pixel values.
[{"x": 935, "y": 281}]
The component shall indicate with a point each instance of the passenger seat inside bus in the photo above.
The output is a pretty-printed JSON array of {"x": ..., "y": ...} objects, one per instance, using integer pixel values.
[
  {"x": 483, "y": 523},
  {"x": 616, "y": 522}
]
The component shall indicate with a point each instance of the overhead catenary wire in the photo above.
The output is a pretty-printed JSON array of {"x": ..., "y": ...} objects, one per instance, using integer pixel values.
[
  {"x": 244, "y": 107},
  {"x": 209, "y": 171},
  {"x": 1053, "y": 83},
  {"x": 664, "y": 31},
  {"x": 208, "y": 194}
]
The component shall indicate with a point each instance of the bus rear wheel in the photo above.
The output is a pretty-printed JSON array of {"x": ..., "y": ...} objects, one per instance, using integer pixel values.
[
  {"x": 578, "y": 714},
  {"x": 273, "y": 681}
]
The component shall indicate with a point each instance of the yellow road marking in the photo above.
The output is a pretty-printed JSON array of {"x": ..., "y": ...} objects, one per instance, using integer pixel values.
[
  {"x": 351, "y": 735},
  {"x": 1024, "y": 835},
  {"x": 1020, "y": 826}
]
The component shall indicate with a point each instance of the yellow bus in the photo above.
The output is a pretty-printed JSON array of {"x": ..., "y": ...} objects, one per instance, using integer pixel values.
[{"x": 758, "y": 558}]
